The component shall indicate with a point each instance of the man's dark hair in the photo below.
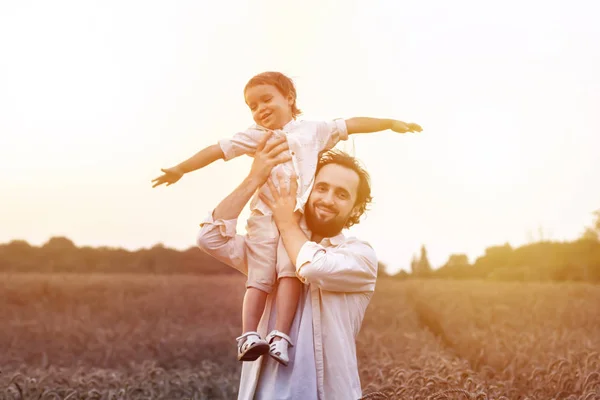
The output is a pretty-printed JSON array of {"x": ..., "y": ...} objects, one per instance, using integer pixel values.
[{"x": 363, "y": 195}]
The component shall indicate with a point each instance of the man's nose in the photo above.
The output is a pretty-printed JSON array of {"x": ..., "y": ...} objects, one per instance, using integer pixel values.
[{"x": 328, "y": 198}]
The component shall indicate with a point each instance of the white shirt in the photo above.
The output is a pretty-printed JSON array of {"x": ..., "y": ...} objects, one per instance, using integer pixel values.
[
  {"x": 306, "y": 140},
  {"x": 340, "y": 275}
]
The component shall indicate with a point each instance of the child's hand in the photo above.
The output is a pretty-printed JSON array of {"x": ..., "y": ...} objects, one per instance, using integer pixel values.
[
  {"x": 403, "y": 127},
  {"x": 170, "y": 176}
]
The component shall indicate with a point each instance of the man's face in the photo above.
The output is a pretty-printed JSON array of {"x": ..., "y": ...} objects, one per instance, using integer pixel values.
[
  {"x": 270, "y": 109},
  {"x": 331, "y": 202}
]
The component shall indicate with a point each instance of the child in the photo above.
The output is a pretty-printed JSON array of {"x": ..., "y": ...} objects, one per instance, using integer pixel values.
[{"x": 271, "y": 97}]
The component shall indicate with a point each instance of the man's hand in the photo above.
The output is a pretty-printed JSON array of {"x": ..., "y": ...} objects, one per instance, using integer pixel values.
[
  {"x": 169, "y": 176},
  {"x": 267, "y": 156},
  {"x": 403, "y": 127},
  {"x": 284, "y": 202}
]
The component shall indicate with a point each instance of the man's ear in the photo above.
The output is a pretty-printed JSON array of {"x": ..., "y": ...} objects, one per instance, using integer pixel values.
[{"x": 355, "y": 212}]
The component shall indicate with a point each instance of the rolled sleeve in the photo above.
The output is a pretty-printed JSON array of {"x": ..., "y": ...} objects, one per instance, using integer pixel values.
[
  {"x": 351, "y": 268},
  {"x": 218, "y": 238},
  {"x": 329, "y": 133},
  {"x": 342, "y": 128},
  {"x": 305, "y": 256},
  {"x": 241, "y": 143},
  {"x": 227, "y": 228}
]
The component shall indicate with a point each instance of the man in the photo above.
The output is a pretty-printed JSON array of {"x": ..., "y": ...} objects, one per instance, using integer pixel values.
[{"x": 339, "y": 274}]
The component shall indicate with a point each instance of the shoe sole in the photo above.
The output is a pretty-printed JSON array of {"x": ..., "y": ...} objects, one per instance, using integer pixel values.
[{"x": 254, "y": 352}]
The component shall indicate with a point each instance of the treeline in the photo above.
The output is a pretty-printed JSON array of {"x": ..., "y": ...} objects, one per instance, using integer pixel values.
[
  {"x": 542, "y": 261},
  {"x": 578, "y": 260},
  {"x": 60, "y": 254}
]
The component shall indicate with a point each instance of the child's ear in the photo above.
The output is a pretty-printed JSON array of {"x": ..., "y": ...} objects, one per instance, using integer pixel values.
[{"x": 291, "y": 99}]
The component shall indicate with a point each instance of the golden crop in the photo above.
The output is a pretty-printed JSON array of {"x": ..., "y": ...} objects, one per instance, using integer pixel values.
[{"x": 170, "y": 337}]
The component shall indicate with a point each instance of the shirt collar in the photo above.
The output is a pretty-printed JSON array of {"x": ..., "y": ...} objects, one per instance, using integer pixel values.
[
  {"x": 289, "y": 125},
  {"x": 334, "y": 240}
]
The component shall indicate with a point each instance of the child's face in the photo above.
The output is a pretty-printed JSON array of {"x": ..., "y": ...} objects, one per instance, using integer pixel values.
[{"x": 270, "y": 109}]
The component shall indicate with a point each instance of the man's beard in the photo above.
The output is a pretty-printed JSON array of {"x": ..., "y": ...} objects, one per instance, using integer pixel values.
[{"x": 325, "y": 229}]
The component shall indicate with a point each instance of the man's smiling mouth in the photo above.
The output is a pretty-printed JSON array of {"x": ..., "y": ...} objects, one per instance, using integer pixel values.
[{"x": 324, "y": 211}]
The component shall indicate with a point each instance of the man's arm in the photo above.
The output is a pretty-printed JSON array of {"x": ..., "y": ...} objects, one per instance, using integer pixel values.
[
  {"x": 265, "y": 158},
  {"x": 369, "y": 125},
  {"x": 217, "y": 235},
  {"x": 231, "y": 206},
  {"x": 287, "y": 221},
  {"x": 351, "y": 267},
  {"x": 293, "y": 238}
]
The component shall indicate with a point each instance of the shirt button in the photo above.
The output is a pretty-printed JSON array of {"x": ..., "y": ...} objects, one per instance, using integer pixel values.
[{"x": 293, "y": 153}]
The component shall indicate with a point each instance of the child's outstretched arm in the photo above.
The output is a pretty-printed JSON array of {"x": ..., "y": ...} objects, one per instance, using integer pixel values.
[
  {"x": 199, "y": 160},
  {"x": 368, "y": 125}
]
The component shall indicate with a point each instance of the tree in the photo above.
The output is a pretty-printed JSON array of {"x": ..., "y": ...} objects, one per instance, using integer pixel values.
[
  {"x": 495, "y": 257},
  {"x": 17, "y": 248},
  {"x": 457, "y": 267},
  {"x": 414, "y": 265},
  {"x": 457, "y": 260},
  {"x": 424, "y": 265},
  {"x": 421, "y": 266},
  {"x": 382, "y": 270},
  {"x": 593, "y": 232},
  {"x": 59, "y": 243},
  {"x": 590, "y": 234}
]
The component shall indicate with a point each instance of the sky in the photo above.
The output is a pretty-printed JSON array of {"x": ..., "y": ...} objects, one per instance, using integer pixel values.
[{"x": 97, "y": 96}]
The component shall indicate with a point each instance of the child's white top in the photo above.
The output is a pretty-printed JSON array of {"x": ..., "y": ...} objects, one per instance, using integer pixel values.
[{"x": 306, "y": 140}]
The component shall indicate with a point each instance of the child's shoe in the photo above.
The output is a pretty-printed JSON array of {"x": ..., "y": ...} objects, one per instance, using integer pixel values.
[
  {"x": 279, "y": 349},
  {"x": 251, "y": 346}
]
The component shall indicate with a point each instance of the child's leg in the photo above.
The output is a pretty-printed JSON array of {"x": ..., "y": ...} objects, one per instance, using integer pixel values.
[
  {"x": 260, "y": 255},
  {"x": 261, "y": 250},
  {"x": 253, "y": 308},
  {"x": 288, "y": 295}
]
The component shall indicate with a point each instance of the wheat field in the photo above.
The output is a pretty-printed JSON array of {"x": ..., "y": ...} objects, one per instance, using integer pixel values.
[{"x": 172, "y": 337}]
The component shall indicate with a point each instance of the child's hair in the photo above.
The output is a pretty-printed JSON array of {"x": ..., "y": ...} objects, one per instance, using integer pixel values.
[{"x": 284, "y": 84}]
